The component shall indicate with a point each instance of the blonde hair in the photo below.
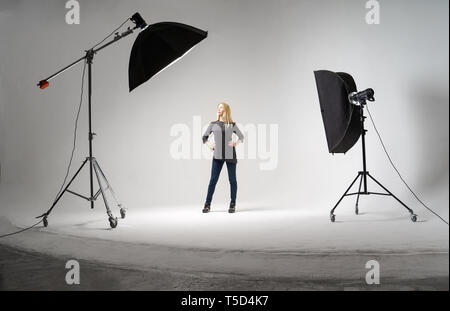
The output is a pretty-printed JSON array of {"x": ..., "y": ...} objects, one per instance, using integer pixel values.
[{"x": 226, "y": 113}]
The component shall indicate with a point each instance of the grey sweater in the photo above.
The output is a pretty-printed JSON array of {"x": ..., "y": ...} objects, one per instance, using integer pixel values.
[{"x": 222, "y": 136}]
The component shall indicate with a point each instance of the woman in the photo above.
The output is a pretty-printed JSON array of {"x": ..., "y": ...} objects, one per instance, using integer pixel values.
[{"x": 224, "y": 151}]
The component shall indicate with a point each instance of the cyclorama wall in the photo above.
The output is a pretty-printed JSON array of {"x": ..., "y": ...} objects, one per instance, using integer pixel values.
[{"x": 259, "y": 57}]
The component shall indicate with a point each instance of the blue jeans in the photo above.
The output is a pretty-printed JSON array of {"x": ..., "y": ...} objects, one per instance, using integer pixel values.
[{"x": 215, "y": 173}]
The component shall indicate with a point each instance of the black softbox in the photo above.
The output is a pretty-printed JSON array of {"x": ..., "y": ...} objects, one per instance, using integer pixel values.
[
  {"x": 159, "y": 45},
  {"x": 342, "y": 120}
]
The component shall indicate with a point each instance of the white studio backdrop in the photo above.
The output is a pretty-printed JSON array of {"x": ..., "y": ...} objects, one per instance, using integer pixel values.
[{"x": 259, "y": 57}]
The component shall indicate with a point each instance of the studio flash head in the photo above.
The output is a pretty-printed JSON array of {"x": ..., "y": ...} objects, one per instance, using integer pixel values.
[{"x": 361, "y": 97}]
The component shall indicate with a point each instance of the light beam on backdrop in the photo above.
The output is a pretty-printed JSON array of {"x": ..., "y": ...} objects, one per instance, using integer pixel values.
[
  {"x": 342, "y": 109},
  {"x": 156, "y": 47}
]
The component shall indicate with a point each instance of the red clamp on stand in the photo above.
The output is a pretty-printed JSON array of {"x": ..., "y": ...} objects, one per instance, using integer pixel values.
[{"x": 43, "y": 84}]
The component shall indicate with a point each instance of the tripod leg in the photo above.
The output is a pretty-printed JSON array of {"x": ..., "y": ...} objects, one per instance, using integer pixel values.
[
  {"x": 332, "y": 216},
  {"x": 112, "y": 219},
  {"x": 413, "y": 216},
  {"x": 359, "y": 193},
  {"x": 122, "y": 209},
  {"x": 45, "y": 215}
]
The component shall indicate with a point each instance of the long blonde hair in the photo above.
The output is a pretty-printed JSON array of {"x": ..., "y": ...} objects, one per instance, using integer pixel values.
[{"x": 226, "y": 113}]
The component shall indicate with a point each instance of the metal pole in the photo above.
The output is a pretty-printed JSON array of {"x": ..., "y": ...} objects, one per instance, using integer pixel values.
[
  {"x": 90, "y": 56},
  {"x": 363, "y": 134},
  {"x": 44, "y": 83}
]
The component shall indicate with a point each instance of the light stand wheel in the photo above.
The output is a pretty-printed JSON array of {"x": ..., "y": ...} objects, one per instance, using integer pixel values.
[
  {"x": 123, "y": 212},
  {"x": 332, "y": 217},
  {"x": 413, "y": 217},
  {"x": 356, "y": 210},
  {"x": 45, "y": 221},
  {"x": 112, "y": 222}
]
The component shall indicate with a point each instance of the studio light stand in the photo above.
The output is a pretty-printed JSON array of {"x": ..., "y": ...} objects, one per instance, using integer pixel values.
[
  {"x": 362, "y": 175},
  {"x": 156, "y": 47},
  {"x": 94, "y": 167}
]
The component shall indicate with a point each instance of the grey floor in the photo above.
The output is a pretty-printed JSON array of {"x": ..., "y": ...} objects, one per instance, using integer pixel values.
[{"x": 25, "y": 270}]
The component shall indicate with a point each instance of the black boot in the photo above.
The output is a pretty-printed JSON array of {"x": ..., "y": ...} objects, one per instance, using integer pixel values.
[
  {"x": 232, "y": 208},
  {"x": 207, "y": 208}
]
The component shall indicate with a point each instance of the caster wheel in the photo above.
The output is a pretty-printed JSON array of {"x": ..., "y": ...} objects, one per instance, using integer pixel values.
[
  {"x": 123, "y": 213},
  {"x": 45, "y": 222},
  {"x": 113, "y": 222},
  {"x": 357, "y": 211},
  {"x": 332, "y": 217},
  {"x": 413, "y": 218}
]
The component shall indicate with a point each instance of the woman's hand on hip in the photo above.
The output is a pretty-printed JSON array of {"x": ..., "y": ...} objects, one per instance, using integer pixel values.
[
  {"x": 232, "y": 143},
  {"x": 211, "y": 145}
]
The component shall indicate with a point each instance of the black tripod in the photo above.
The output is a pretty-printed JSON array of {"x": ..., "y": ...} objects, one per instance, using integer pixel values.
[
  {"x": 94, "y": 167},
  {"x": 362, "y": 175}
]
